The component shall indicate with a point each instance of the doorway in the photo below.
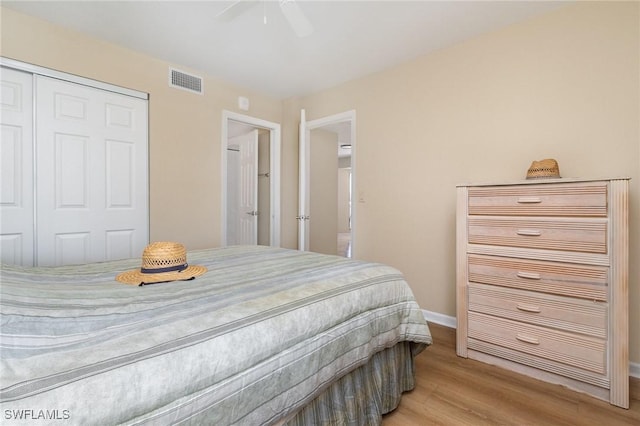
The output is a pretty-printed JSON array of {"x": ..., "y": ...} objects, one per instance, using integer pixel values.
[
  {"x": 327, "y": 179},
  {"x": 250, "y": 180}
]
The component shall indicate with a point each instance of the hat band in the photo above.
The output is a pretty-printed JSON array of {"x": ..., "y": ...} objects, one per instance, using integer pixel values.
[{"x": 178, "y": 268}]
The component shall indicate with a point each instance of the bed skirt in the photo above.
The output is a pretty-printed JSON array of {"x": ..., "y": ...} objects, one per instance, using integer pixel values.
[{"x": 364, "y": 395}]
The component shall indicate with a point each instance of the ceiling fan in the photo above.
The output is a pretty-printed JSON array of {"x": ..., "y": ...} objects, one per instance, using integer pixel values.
[{"x": 289, "y": 8}]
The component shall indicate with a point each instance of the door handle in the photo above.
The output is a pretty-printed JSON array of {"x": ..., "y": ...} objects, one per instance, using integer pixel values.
[{"x": 253, "y": 213}]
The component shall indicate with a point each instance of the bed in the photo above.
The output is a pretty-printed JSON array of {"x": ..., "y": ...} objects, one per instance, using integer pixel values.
[{"x": 266, "y": 336}]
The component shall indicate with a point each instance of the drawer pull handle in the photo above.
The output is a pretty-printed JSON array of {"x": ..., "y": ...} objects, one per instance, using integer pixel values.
[
  {"x": 527, "y": 339},
  {"x": 528, "y": 308},
  {"x": 529, "y": 232},
  {"x": 529, "y": 200},
  {"x": 528, "y": 275}
]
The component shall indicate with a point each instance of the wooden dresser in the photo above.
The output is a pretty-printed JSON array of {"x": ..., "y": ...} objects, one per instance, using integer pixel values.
[{"x": 542, "y": 281}]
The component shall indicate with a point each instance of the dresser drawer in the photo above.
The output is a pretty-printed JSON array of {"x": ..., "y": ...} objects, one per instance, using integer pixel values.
[
  {"x": 559, "y": 312},
  {"x": 573, "y": 199},
  {"x": 587, "y": 353},
  {"x": 587, "y": 236},
  {"x": 549, "y": 365},
  {"x": 568, "y": 279}
]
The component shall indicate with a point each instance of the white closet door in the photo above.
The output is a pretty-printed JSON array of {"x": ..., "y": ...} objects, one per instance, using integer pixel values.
[
  {"x": 92, "y": 179},
  {"x": 16, "y": 168}
]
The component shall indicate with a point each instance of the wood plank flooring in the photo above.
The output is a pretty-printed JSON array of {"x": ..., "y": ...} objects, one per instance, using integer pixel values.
[{"x": 456, "y": 391}]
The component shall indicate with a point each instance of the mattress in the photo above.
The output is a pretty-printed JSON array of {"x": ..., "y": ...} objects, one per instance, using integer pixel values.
[{"x": 253, "y": 341}]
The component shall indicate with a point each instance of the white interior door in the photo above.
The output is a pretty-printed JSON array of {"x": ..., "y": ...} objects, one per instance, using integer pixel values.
[
  {"x": 303, "y": 184},
  {"x": 16, "y": 168},
  {"x": 249, "y": 189},
  {"x": 92, "y": 177},
  {"x": 243, "y": 189}
]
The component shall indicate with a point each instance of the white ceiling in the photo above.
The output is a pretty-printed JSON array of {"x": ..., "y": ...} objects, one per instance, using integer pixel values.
[{"x": 351, "y": 38}]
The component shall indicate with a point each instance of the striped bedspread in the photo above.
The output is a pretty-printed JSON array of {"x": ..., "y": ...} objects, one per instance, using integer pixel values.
[{"x": 249, "y": 342}]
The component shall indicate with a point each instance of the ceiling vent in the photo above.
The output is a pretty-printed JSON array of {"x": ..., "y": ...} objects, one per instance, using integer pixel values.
[{"x": 185, "y": 81}]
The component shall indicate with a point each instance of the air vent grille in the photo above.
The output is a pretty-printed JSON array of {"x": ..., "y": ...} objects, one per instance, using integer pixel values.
[{"x": 185, "y": 81}]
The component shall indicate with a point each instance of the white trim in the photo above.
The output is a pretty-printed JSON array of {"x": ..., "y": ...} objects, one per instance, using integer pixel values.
[
  {"x": 451, "y": 322},
  {"x": 442, "y": 319},
  {"x": 36, "y": 69},
  {"x": 274, "y": 172}
]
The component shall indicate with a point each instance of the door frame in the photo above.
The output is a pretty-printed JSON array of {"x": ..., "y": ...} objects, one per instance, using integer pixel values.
[
  {"x": 304, "y": 160},
  {"x": 274, "y": 171}
]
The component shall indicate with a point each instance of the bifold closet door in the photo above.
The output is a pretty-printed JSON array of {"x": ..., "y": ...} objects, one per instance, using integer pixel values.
[
  {"x": 16, "y": 168},
  {"x": 92, "y": 174}
]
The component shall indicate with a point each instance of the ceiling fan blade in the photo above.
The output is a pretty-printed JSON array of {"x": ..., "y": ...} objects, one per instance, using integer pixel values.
[
  {"x": 235, "y": 9},
  {"x": 296, "y": 18}
]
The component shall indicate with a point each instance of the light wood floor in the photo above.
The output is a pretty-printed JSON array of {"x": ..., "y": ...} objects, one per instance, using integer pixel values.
[{"x": 456, "y": 391}]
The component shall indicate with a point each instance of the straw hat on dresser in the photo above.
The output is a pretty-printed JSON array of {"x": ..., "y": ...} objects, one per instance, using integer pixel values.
[
  {"x": 547, "y": 168},
  {"x": 162, "y": 262}
]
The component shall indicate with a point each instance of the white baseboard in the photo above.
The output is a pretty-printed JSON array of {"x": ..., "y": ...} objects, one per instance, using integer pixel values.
[
  {"x": 451, "y": 322},
  {"x": 441, "y": 319}
]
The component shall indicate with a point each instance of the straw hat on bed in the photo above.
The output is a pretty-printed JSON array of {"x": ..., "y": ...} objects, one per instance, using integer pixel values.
[{"x": 162, "y": 262}]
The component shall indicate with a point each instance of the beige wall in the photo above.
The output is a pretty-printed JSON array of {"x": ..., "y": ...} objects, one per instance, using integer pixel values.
[
  {"x": 323, "y": 190},
  {"x": 184, "y": 128},
  {"x": 564, "y": 85}
]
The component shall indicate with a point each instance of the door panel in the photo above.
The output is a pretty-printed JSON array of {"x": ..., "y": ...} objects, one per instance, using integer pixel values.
[
  {"x": 72, "y": 248},
  {"x": 120, "y": 175},
  {"x": 92, "y": 174},
  {"x": 16, "y": 168},
  {"x": 249, "y": 189},
  {"x": 70, "y": 171},
  {"x": 242, "y": 201}
]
